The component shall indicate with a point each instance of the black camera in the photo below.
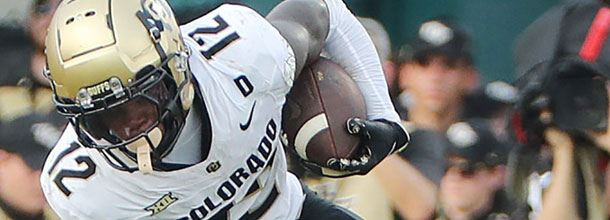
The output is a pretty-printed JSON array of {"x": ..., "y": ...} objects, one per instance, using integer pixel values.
[{"x": 578, "y": 98}]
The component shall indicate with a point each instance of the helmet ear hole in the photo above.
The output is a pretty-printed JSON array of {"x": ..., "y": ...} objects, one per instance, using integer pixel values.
[{"x": 187, "y": 95}]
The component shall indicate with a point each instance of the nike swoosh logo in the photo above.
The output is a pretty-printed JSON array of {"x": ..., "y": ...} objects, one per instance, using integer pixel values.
[{"x": 247, "y": 125}]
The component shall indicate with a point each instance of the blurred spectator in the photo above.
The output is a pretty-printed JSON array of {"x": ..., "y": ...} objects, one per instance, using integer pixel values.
[
  {"x": 13, "y": 13},
  {"x": 435, "y": 73},
  {"x": 38, "y": 22},
  {"x": 412, "y": 177},
  {"x": 493, "y": 102},
  {"x": 23, "y": 46},
  {"x": 563, "y": 107},
  {"x": 363, "y": 195},
  {"x": 29, "y": 125},
  {"x": 473, "y": 186},
  {"x": 15, "y": 49},
  {"x": 408, "y": 187}
]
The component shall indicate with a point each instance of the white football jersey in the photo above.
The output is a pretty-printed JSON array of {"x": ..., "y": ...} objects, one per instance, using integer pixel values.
[{"x": 244, "y": 68}]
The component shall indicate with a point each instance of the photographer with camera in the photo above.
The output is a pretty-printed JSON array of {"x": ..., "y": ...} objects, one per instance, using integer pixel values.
[{"x": 563, "y": 109}]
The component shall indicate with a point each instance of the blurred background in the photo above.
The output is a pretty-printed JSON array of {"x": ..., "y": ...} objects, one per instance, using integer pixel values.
[{"x": 492, "y": 24}]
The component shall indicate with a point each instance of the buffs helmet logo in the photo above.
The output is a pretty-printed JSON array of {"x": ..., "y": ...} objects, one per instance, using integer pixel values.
[{"x": 98, "y": 89}]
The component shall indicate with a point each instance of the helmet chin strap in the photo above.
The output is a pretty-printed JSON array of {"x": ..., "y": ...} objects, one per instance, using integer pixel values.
[
  {"x": 143, "y": 147},
  {"x": 144, "y": 161}
]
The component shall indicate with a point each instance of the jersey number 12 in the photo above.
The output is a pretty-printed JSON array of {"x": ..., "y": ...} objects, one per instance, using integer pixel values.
[
  {"x": 65, "y": 173},
  {"x": 221, "y": 25}
]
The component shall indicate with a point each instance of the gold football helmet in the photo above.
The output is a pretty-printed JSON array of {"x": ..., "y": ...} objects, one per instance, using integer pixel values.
[{"x": 120, "y": 74}]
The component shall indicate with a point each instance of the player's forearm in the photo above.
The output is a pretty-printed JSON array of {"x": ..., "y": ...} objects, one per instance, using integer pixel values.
[
  {"x": 413, "y": 195},
  {"x": 349, "y": 45}
]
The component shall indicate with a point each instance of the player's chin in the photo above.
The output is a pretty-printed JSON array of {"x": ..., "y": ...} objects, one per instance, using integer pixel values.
[{"x": 155, "y": 133}]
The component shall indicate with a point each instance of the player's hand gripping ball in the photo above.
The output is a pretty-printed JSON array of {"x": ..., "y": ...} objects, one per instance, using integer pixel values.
[{"x": 322, "y": 123}]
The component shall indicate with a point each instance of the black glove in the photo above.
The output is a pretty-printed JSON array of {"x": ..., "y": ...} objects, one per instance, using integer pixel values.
[{"x": 379, "y": 138}]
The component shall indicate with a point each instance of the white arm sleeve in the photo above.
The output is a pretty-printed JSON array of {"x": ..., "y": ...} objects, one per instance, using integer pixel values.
[{"x": 349, "y": 45}]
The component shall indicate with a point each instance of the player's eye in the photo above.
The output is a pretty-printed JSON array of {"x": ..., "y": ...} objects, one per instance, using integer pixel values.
[
  {"x": 125, "y": 121},
  {"x": 128, "y": 120}
]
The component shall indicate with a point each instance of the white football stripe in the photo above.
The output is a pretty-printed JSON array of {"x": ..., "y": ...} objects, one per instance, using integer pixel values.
[{"x": 312, "y": 127}]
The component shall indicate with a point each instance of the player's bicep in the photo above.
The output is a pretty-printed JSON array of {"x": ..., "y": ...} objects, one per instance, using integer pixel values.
[
  {"x": 295, "y": 36},
  {"x": 305, "y": 25}
]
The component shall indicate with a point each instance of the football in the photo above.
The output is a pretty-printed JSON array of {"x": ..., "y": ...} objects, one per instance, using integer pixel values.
[{"x": 316, "y": 111}]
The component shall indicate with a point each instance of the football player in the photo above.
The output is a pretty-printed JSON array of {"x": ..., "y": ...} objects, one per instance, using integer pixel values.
[{"x": 170, "y": 122}]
